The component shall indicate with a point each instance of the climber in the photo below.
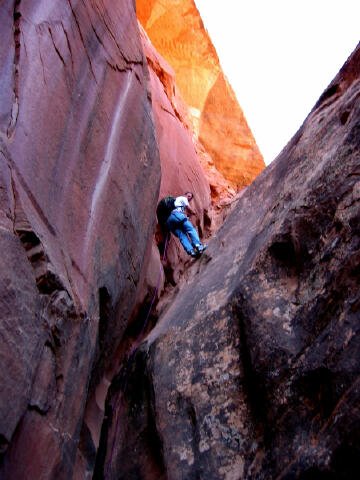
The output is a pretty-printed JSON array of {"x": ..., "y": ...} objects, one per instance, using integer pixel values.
[{"x": 179, "y": 224}]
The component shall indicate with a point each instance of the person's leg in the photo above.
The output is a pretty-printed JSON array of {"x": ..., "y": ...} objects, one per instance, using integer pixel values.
[
  {"x": 194, "y": 237},
  {"x": 188, "y": 228},
  {"x": 183, "y": 239},
  {"x": 176, "y": 222}
]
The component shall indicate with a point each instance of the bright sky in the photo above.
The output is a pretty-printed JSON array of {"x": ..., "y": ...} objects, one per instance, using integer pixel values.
[{"x": 279, "y": 56}]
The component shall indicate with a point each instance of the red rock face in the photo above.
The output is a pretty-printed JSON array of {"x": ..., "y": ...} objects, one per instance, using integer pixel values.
[
  {"x": 252, "y": 369},
  {"x": 80, "y": 177},
  {"x": 185, "y": 164},
  {"x": 181, "y": 169}
]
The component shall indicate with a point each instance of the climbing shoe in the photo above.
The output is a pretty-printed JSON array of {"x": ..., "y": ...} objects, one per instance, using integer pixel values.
[
  {"x": 200, "y": 248},
  {"x": 192, "y": 253}
]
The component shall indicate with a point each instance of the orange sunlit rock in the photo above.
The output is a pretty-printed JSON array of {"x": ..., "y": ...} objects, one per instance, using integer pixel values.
[{"x": 177, "y": 32}]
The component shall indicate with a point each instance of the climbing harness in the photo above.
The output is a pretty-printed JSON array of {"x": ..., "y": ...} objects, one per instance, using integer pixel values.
[{"x": 123, "y": 385}]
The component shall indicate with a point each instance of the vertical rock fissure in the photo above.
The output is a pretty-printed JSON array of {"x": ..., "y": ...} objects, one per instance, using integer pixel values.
[
  {"x": 252, "y": 384},
  {"x": 69, "y": 47},
  {"x": 14, "y": 168},
  {"x": 82, "y": 38},
  {"x": 133, "y": 375},
  {"x": 17, "y": 47}
]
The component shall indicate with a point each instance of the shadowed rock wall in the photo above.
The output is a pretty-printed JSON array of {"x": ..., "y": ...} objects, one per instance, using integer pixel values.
[{"x": 252, "y": 370}]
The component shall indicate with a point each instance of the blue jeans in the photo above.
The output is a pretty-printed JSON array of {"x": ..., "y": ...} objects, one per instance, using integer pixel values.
[{"x": 180, "y": 226}]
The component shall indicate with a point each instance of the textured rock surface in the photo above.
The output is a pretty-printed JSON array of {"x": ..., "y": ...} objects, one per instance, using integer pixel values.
[
  {"x": 253, "y": 369},
  {"x": 185, "y": 165},
  {"x": 82, "y": 119},
  {"x": 79, "y": 178},
  {"x": 177, "y": 32}
]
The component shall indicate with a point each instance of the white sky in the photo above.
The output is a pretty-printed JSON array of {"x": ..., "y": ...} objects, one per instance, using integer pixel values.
[{"x": 279, "y": 56}]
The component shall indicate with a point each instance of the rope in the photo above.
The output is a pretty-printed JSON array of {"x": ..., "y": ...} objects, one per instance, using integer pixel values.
[{"x": 124, "y": 382}]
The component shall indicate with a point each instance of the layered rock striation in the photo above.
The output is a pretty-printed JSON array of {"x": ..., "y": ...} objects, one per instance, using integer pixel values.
[
  {"x": 178, "y": 34},
  {"x": 252, "y": 370}
]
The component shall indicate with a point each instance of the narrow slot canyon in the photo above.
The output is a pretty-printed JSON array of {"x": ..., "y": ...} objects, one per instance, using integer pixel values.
[{"x": 123, "y": 357}]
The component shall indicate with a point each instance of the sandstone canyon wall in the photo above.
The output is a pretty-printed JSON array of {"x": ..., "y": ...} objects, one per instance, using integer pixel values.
[
  {"x": 181, "y": 168},
  {"x": 177, "y": 32},
  {"x": 85, "y": 106},
  {"x": 80, "y": 176},
  {"x": 252, "y": 370}
]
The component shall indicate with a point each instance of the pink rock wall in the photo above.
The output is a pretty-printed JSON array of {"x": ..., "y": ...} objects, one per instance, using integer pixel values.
[{"x": 80, "y": 177}]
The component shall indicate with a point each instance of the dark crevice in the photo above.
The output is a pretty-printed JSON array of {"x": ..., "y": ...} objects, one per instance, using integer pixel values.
[
  {"x": 17, "y": 50},
  {"x": 28, "y": 239},
  {"x": 106, "y": 339},
  {"x": 207, "y": 220},
  {"x": 56, "y": 49},
  {"x": 319, "y": 389},
  {"x": 37, "y": 409},
  {"x": 48, "y": 283},
  {"x": 344, "y": 117},
  {"x": 130, "y": 395},
  {"x": 81, "y": 38},
  {"x": 154, "y": 441},
  {"x": 69, "y": 47},
  {"x": 329, "y": 93},
  {"x": 196, "y": 438},
  {"x": 56, "y": 335},
  {"x": 284, "y": 252},
  {"x": 253, "y": 385},
  {"x": 104, "y": 315},
  {"x": 143, "y": 322},
  {"x": 345, "y": 460},
  {"x": 50, "y": 346},
  {"x": 46, "y": 280},
  {"x": 102, "y": 448},
  {"x": 3, "y": 447},
  {"x": 113, "y": 67}
]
